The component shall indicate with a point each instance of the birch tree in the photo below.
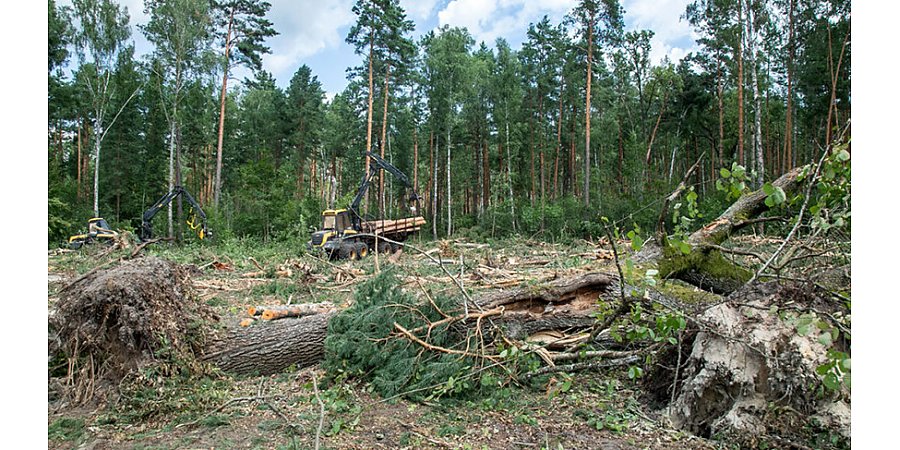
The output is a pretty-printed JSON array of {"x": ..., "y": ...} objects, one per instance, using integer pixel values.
[{"x": 102, "y": 33}]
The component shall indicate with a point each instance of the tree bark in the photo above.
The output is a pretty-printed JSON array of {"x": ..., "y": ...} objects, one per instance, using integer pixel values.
[
  {"x": 218, "y": 181},
  {"x": 78, "y": 166},
  {"x": 512, "y": 198},
  {"x": 788, "y": 119},
  {"x": 369, "y": 114},
  {"x": 740, "y": 85},
  {"x": 486, "y": 175},
  {"x": 270, "y": 347},
  {"x": 384, "y": 119},
  {"x": 757, "y": 120},
  {"x": 449, "y": 196},
  {"x": 704, "y": 266},
  {"x": 587, "y": 120},
  {"x": 98, "y": 134}
]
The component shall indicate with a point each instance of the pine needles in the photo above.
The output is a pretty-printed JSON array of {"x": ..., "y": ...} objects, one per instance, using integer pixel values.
[{"x": 363, "y": 341}]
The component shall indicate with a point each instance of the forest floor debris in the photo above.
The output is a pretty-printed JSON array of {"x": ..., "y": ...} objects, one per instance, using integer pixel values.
[{"x": 606, "y": 410}]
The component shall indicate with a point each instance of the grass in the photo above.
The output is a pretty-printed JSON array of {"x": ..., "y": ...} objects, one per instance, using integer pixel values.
[{"x": 66, "y": 429}]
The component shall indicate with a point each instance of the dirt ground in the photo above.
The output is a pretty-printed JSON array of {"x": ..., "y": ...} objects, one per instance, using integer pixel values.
[{"x": 597, "y": 411}]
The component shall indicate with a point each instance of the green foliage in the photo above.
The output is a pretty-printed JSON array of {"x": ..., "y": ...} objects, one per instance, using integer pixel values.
[
  {"x": 66, "y": 429},
  {"x": 830, "y": 208},
  {"x": 835, "y": 372},
  {"x": 150, "y": 394},
  {"x": 775, "y": 195},
  {"x": 358, "y": 343},
  {"x": 733, "y": 182},
  {"x": 608, "y": 417}
]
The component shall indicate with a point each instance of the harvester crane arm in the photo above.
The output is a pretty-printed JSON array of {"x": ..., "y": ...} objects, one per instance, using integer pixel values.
[
  {"x": 375, "y": 163},
  {"x": 147, "y": 227}
]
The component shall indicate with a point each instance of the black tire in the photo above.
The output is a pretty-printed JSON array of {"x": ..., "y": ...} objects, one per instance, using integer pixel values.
[
  {"x": 384, "y": 247},
  {"x": 395, "y": 247},
  {"x": 345, "y": 251},
  {"x": 362, "y": 250}
]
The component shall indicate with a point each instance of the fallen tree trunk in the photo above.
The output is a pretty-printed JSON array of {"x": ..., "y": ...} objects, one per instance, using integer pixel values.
[
  {"x": 272, "y": 346},
  {"x": 705, "y": 266}
]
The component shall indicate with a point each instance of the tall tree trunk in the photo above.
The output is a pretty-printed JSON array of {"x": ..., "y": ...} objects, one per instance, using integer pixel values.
[
  {"x": 757, "y": 120},
  {"x": 789, "y": 113},
  {"x": 384, "y": 120},
  {"x": 541, "y": 146},
  {"x": 449, "y": 191},
  {"x": 78, "y": 165},
  {"x": 178, "y": 182},
  {"x": 740, "y": 85},
  {"x": 512, "y": 197},
  {"x": 662, "y": 110},
  {"x": 531, "y": 154},
  {"x": 621, "y": 159},
  {"x": 587, "y": 119},
  {"x": 486, "y": 173},
  {"x": 720, "y": 90},
  {"x": 832, "y": 107},
  {"x": 416, "y": 159},
  {"x": 171, "y": 174},
  {"x": 558, "y": 142},
  {"x": 369, "y": 114},
  {"x": 433, "y": 182},
  {"x": 218, "y": 181},
  {"x": 98, "y": 135},
  {"x": 573, "y": 175}
]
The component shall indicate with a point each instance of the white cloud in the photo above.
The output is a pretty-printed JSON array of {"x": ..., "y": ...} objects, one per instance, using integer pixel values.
[
  {"x": 306, "y": 27},
  {"x": 489, "y": 19},
  {"x": 664, "y": 18},
  {"x": 418, "y": 9}
]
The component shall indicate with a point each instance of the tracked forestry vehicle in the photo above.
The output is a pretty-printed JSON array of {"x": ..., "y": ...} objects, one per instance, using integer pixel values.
[{"x": 344, "y": 233}]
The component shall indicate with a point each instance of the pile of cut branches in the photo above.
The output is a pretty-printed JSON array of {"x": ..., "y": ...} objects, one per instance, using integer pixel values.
[{"x": 437, "y": 346}]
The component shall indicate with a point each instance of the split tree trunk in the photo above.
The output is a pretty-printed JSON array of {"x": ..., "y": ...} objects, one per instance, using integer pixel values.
[{"x": 273, "y": 346}]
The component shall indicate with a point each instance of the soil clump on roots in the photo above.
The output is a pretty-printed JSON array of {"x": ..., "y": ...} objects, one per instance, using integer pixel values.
[{"x": 114, "y": 321}]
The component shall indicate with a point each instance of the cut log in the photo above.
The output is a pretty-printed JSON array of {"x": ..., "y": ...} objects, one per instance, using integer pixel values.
[
  {"x": 271, "y": 347},
  {"x": 296, "y": 311}
]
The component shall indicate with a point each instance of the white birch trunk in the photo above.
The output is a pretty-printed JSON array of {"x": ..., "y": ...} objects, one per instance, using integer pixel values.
[
  {"x": 512, "y": 198},
  {"x": 98, "y": 133},
  {"x": 449, "y": 207},
  {"x": 171, "y": 173}
]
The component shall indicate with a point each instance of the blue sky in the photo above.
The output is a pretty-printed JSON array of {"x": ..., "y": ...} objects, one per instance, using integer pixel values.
[{"x": 312, "y": 32}]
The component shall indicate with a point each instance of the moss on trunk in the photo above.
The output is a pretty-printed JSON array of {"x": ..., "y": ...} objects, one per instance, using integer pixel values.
[{"x": 707, "y": 269}]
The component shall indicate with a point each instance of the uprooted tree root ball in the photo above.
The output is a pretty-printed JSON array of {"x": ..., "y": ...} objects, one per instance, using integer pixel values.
[
  {"x": 755, "y": 364},
  {"x": 138, "y": 313}
]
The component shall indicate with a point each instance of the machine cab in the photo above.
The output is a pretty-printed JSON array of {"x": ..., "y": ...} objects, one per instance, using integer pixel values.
[
  {"x": 335, "y": 223},
  {"x": 337, "y": 220}
]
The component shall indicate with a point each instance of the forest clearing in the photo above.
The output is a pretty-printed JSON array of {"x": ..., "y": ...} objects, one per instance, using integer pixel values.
[
  {"x": 569, "y": 360},
  {"x": 592, "y": 224}
]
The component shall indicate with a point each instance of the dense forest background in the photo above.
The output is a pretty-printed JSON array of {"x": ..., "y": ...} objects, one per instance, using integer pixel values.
[{"x": 576, "y": 124}]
